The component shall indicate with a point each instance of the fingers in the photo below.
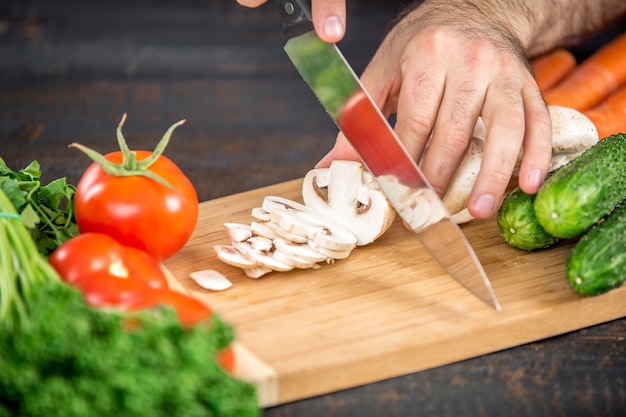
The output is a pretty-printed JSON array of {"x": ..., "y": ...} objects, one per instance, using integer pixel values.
[
  {"x": 515, "y": 116},
  {"x": 329, "y": 19},
  {"x": 442, "y": 96},
  {"x": 251, "y": 3}
]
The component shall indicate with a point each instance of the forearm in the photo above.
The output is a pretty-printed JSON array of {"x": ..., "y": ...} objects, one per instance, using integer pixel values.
[{"x": 534, "y": 26}]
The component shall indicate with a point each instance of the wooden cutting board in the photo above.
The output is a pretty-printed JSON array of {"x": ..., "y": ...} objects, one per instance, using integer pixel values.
[{"x": 387, "y": 310}]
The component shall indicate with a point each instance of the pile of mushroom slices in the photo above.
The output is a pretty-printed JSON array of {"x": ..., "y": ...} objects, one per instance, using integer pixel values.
[{"x": 343, "y": 208}]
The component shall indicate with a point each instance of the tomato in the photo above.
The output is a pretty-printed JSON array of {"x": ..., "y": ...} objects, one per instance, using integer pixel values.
[
  {"x": 190, "y": 311},
  {"x": 226, "y": 358},
  {"x": 141, "y": 199},
  {"x": 136, "y": 210},
  {"x": 108, "y": 273}
]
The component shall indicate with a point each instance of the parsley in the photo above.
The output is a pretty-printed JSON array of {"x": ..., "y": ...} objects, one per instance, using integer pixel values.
[{"x": 47, "y": 211}]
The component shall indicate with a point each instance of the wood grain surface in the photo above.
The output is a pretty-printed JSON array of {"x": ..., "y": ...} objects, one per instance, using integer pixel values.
[
  {"x": 387, "y": 310},
  {"x": 70, "y": 68}
]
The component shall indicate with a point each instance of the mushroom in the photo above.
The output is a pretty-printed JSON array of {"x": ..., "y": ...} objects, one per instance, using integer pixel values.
[
  {"x": 572, "y": 134},
  {"x": 288, "y": 235},
  {"x": 350, "y": 196}
]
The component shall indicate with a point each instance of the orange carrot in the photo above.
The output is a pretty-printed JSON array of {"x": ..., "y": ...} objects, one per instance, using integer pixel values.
[
  {"x": 610, "y": 115},
  {"x": 593, "y": 79},
  {"x": 552, "y": 67}
]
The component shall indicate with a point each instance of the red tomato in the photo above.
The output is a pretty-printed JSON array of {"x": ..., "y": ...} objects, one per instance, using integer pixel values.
[
  {"x": 226, "y": 358},
  {"x": 108, "y": 273},
  {"x": 136, "y": 210},
  {"x": 190, "y": 311}
]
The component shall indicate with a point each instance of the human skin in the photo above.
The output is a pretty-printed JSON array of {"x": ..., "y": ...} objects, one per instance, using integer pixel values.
[{"x": 445, "y": 63}]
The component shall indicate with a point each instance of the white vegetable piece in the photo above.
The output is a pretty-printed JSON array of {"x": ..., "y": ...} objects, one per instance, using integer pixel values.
[
  {"x": 238, "y": 232},
  {"x": 350, "y": 196},
  {"x": 288, "y": 235},
  {"x": 232, "y": 256},
  {"x": 572, "y": 134},
  {"x": 211, "y": 279}
]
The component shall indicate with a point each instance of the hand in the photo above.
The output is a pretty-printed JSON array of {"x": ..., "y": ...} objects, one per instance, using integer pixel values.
[
  {"x": 439, "y": 73},
  {"x": 329, "y": 17}
]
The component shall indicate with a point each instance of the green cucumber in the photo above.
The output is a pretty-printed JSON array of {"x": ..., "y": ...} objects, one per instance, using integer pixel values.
[
  {"x": 584, "y": 190},
  {"x": 518, "y": 224},
  {"x": 597, "y": 263}
]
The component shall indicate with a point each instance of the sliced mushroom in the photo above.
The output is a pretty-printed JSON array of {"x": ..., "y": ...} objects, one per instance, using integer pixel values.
[
  {"x": 301, "y": 251},
  {"x": 267, "y": 260},
  {"x": 232, "y": 256},
  {"x": 238, "y": 232},
  {"x": 256, "y": 272},
  {"x": 349, "y": 196},
  {"x": 211, "y": 279}
]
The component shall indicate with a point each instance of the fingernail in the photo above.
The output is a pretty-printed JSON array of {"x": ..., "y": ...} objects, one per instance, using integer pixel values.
[
  {"x": 484, "y": 205},
  {"x": 535, "y": 178},
  {"x": 333, "y": 28}
]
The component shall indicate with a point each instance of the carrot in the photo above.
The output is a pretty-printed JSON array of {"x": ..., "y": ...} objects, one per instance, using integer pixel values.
[
  {"x": 552, "y": 67},
  {"x": 610, "y": 115},
  {"x": 593, "y": 79}
]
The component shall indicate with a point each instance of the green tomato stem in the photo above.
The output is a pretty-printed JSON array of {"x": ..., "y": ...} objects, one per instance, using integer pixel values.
[{"x": 130, "y": 166}]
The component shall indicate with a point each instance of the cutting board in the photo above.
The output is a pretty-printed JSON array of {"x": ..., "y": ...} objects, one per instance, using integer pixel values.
[{"x": 385, "y": 311}]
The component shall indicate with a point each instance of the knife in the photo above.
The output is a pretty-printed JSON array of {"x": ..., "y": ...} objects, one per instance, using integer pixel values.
[{"x": 347, "y": 102}]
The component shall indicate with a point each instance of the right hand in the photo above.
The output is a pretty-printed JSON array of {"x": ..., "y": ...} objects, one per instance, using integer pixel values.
[{"x": 329, "y": 17}]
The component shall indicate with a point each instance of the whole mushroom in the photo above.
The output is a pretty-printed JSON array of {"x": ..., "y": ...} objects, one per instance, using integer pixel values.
[{"x": 348, "y": 194}]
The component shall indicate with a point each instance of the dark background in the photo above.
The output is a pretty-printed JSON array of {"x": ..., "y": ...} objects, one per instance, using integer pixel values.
[{"x": 69, "y": 69}]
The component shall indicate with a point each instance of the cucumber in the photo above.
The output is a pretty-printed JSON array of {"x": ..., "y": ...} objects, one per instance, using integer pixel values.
[
  {"x": 518, "y": 224},
  {"x": 597, "y": 263},
  {"x": 584, "y": 190}
]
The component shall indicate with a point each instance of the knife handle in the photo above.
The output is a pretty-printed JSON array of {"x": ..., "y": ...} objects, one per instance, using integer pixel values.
[{"x": 296, "y": 16}]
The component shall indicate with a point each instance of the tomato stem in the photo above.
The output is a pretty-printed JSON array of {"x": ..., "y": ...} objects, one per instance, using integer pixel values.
[{"x": 130, "y": 166}]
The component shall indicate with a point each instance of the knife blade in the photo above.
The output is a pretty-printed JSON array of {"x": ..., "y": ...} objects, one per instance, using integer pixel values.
[{"x": 354, "y": 112}]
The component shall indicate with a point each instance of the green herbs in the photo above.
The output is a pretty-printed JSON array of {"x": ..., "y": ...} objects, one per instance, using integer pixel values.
[
  {"x": 77, "y": 361},
  {"x": 45, "y": 210},
  {"x": 22, "y": 267}
]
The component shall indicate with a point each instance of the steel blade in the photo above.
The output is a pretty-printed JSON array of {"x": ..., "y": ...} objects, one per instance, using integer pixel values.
[{"x": 340, "y": 91}]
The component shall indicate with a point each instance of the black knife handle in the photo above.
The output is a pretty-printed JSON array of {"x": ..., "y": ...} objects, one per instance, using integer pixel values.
[{"x": 296, "y": 15}]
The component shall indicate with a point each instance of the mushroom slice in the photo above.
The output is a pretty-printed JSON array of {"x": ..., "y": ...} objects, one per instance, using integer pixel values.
[
  {"x": 329, "y": 253},
  {"x": 280, "y": 232},
  {"x": 294, "y": 261},
  {"x": 232, "y": 256},
  {"x": 301, "y": 251},
  {"x": 348, "y": 196},
  {"x": 422, "y": 209},
  {"x": 333, "y": 239},
  {"x": 262, "y": 229},
  {"x": 238, "y": 232},
  {"x": 260, "y": 213},
  {"x": 267, "y": 260},
  {"x": 261, "y": 243},
  {"x": 256, "y": 272},
  {"x": 211, "y": 279}
]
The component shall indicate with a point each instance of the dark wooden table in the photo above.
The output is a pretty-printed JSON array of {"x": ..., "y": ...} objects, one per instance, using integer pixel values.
[{"x": 69, "y": 69}]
